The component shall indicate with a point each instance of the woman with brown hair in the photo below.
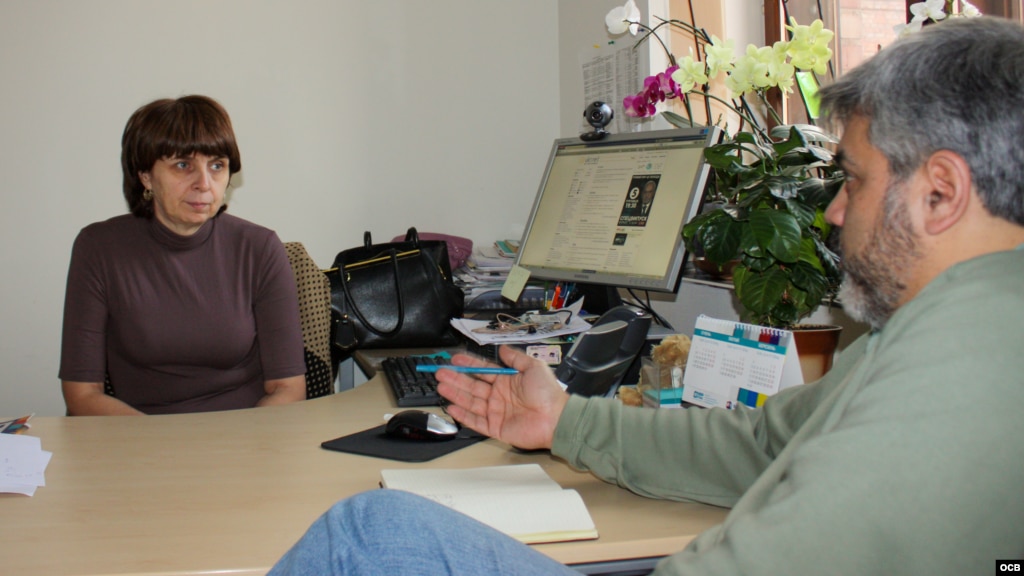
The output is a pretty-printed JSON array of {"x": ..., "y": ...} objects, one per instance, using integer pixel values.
[{"x": 178, "y": 306}]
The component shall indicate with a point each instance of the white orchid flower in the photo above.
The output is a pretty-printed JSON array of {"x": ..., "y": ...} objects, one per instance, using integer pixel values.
[
  {"x": 780, "y": 71},
  {"x": 933, "y": 9},
  {"x": 903, "y": 30},
  {"x": 969, "y": 10},
  {"x": 809, "y": 47},
  {"x": 623, "y": 18},
  {"x": 749, "y": 73},
  {"x": 690, "y": 74},
  {"x": 813, "y": 33},
  {"x": 720, "y": 55}
]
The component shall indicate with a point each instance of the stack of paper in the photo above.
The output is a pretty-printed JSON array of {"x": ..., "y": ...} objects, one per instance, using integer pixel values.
[
  {"x": 486, "y": 259},
  {"x": 22, "y": 459}
]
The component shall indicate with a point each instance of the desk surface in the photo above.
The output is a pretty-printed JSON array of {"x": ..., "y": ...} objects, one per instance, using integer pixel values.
[{"x": 230, "y": 492}]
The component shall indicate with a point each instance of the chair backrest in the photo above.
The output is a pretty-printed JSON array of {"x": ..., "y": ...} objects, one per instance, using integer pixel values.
[{"x": 315, "y": 315}]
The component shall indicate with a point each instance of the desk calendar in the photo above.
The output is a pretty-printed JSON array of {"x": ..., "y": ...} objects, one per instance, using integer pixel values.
[{"x": 732, "y": 364}]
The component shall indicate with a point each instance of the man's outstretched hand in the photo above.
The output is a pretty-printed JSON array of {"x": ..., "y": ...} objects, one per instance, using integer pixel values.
[{"x": 521, "y": 409}]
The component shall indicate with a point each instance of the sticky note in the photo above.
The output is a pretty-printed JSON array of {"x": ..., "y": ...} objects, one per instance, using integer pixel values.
[{"x": 515, "y": 283}]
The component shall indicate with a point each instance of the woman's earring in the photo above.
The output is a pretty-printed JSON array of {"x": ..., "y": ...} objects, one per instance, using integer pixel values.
[{"x": 147, "y": 194}]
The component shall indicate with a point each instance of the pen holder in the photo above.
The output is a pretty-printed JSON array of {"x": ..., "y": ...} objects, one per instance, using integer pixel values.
[{"x": 661, "y": 384}]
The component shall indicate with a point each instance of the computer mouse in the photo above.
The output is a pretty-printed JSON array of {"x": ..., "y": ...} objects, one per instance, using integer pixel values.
[{"x": 420, "y": 425}]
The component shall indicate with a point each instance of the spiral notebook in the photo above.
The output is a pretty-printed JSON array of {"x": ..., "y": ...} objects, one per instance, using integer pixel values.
[{"x": 733, "y": 364}]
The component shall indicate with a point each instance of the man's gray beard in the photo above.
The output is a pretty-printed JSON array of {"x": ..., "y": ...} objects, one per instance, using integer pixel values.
[
  {"x": 872, "y": 280},
  {"x": 863, "y": 305}
]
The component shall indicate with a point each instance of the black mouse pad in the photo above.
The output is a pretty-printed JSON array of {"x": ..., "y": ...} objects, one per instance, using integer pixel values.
[{"x": 374, "y": 442}]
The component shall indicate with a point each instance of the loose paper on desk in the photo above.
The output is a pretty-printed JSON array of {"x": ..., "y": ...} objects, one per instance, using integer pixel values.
[
  {"x": 22, "y": 463},
  {"x": 575, "y": 325},
  {"x": 520, "y": 500}
]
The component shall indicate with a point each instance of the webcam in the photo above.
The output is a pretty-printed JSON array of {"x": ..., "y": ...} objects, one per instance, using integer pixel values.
[{"x": 598, "y": 115}]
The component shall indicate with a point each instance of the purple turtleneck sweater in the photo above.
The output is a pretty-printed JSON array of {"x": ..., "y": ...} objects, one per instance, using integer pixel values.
[{"x": 181, "y": 323}]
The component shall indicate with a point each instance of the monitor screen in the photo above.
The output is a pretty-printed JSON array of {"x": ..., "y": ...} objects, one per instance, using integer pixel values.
[{"x": 611, "y": 212}]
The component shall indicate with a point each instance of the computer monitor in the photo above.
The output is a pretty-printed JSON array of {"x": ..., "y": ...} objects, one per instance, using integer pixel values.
[{"x": 611, "y": 212}]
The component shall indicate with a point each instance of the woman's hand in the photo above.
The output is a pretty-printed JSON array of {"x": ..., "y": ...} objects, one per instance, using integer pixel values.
[{"x": 521, "y": 409}]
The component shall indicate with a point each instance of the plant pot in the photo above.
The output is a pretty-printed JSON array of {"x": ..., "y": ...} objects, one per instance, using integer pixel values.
[
  {"x": 816, "y": 346},
  {"x": 723, "y": 272}
]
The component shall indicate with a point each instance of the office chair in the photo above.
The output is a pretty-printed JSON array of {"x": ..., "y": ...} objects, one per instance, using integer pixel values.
[{"x": 315, "y": 316}]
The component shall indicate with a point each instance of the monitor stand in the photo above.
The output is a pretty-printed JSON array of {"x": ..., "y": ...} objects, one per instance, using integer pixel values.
[{"x": 597, "y": 299}]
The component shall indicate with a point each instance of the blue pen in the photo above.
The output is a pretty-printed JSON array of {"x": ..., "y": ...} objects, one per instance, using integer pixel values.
[{"x": 465, "y": 369}]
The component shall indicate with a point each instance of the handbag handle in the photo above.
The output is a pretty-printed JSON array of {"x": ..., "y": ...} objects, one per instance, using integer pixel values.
[
  {"x": 411, "y": 235},
  {"x": 398, "y": 292}
]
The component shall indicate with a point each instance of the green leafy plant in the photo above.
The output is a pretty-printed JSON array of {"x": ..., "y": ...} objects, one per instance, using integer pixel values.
[
  {"x": 774, "y": 184},
  {"x": 772, "y": 225}
]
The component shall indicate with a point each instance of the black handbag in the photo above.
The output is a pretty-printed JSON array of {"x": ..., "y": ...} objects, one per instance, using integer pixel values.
[{"x": 394, "y": 295}]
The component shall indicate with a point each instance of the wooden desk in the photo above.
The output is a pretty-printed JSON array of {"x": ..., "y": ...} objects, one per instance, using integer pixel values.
[{"x": 230, "y": 492}]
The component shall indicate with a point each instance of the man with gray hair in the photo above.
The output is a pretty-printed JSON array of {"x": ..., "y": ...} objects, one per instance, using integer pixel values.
[{"x": 904, "y": 459}]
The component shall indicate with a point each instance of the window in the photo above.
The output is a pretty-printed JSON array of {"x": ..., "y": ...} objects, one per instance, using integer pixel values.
[{"x": 863, "y": 27}]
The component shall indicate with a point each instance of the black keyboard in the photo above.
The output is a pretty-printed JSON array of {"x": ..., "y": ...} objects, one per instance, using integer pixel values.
[{"x": 412, "y": 388}]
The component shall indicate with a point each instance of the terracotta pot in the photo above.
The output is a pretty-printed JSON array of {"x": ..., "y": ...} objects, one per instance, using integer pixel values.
[
  {"x": 723, "y": 272},
  {"x": 816, "y": 346}
]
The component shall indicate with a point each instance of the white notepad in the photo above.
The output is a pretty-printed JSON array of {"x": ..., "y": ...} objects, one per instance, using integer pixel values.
[{"x": 520, "y": 500}]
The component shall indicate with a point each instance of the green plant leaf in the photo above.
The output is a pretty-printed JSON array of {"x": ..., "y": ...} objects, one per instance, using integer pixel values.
[
  {"x": 677, "y": 120},
  {"x": 750, "y": 247},
  {"x": 760, "y": 292},
  {"x": 757, "y": 264},
  {"x": 822, "y": 225},
  {"x": 752, "y": 196},
  {"x": 782, "y": 187},
  {"x": 745, "y": 137},
  {"x": 794, "y": 139},
  {"x": 810, "y": 132},
  {"x": 830, "y": 262},
  {"x": 819, "y": 192},
  {"x": 805, "y": 215},
  {"x": 691, "y": 228},
  {"x": 723, "y": 158},
  {"x": 805, "y": 157},
  {"x": 721, "y": 243},
  {"x": 743, "y": 142},
  {"x": 812, "y": 282},
  {"x": 778, "y": 232},
  {"x": 833, "y": 184},
  {"x": 809, "y": 254},
  {"x": 715, "y": 234},
  {"x": 785, "y": 313}
]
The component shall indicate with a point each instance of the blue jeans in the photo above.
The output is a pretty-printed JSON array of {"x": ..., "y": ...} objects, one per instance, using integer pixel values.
[{"x": 396, "y": 533}]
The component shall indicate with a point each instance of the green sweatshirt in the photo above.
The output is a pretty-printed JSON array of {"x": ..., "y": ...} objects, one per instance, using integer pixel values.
[{"x": 906, "y": 458}]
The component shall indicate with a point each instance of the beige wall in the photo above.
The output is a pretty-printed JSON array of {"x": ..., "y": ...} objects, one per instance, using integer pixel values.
[{"x": 350, "y": 115}]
